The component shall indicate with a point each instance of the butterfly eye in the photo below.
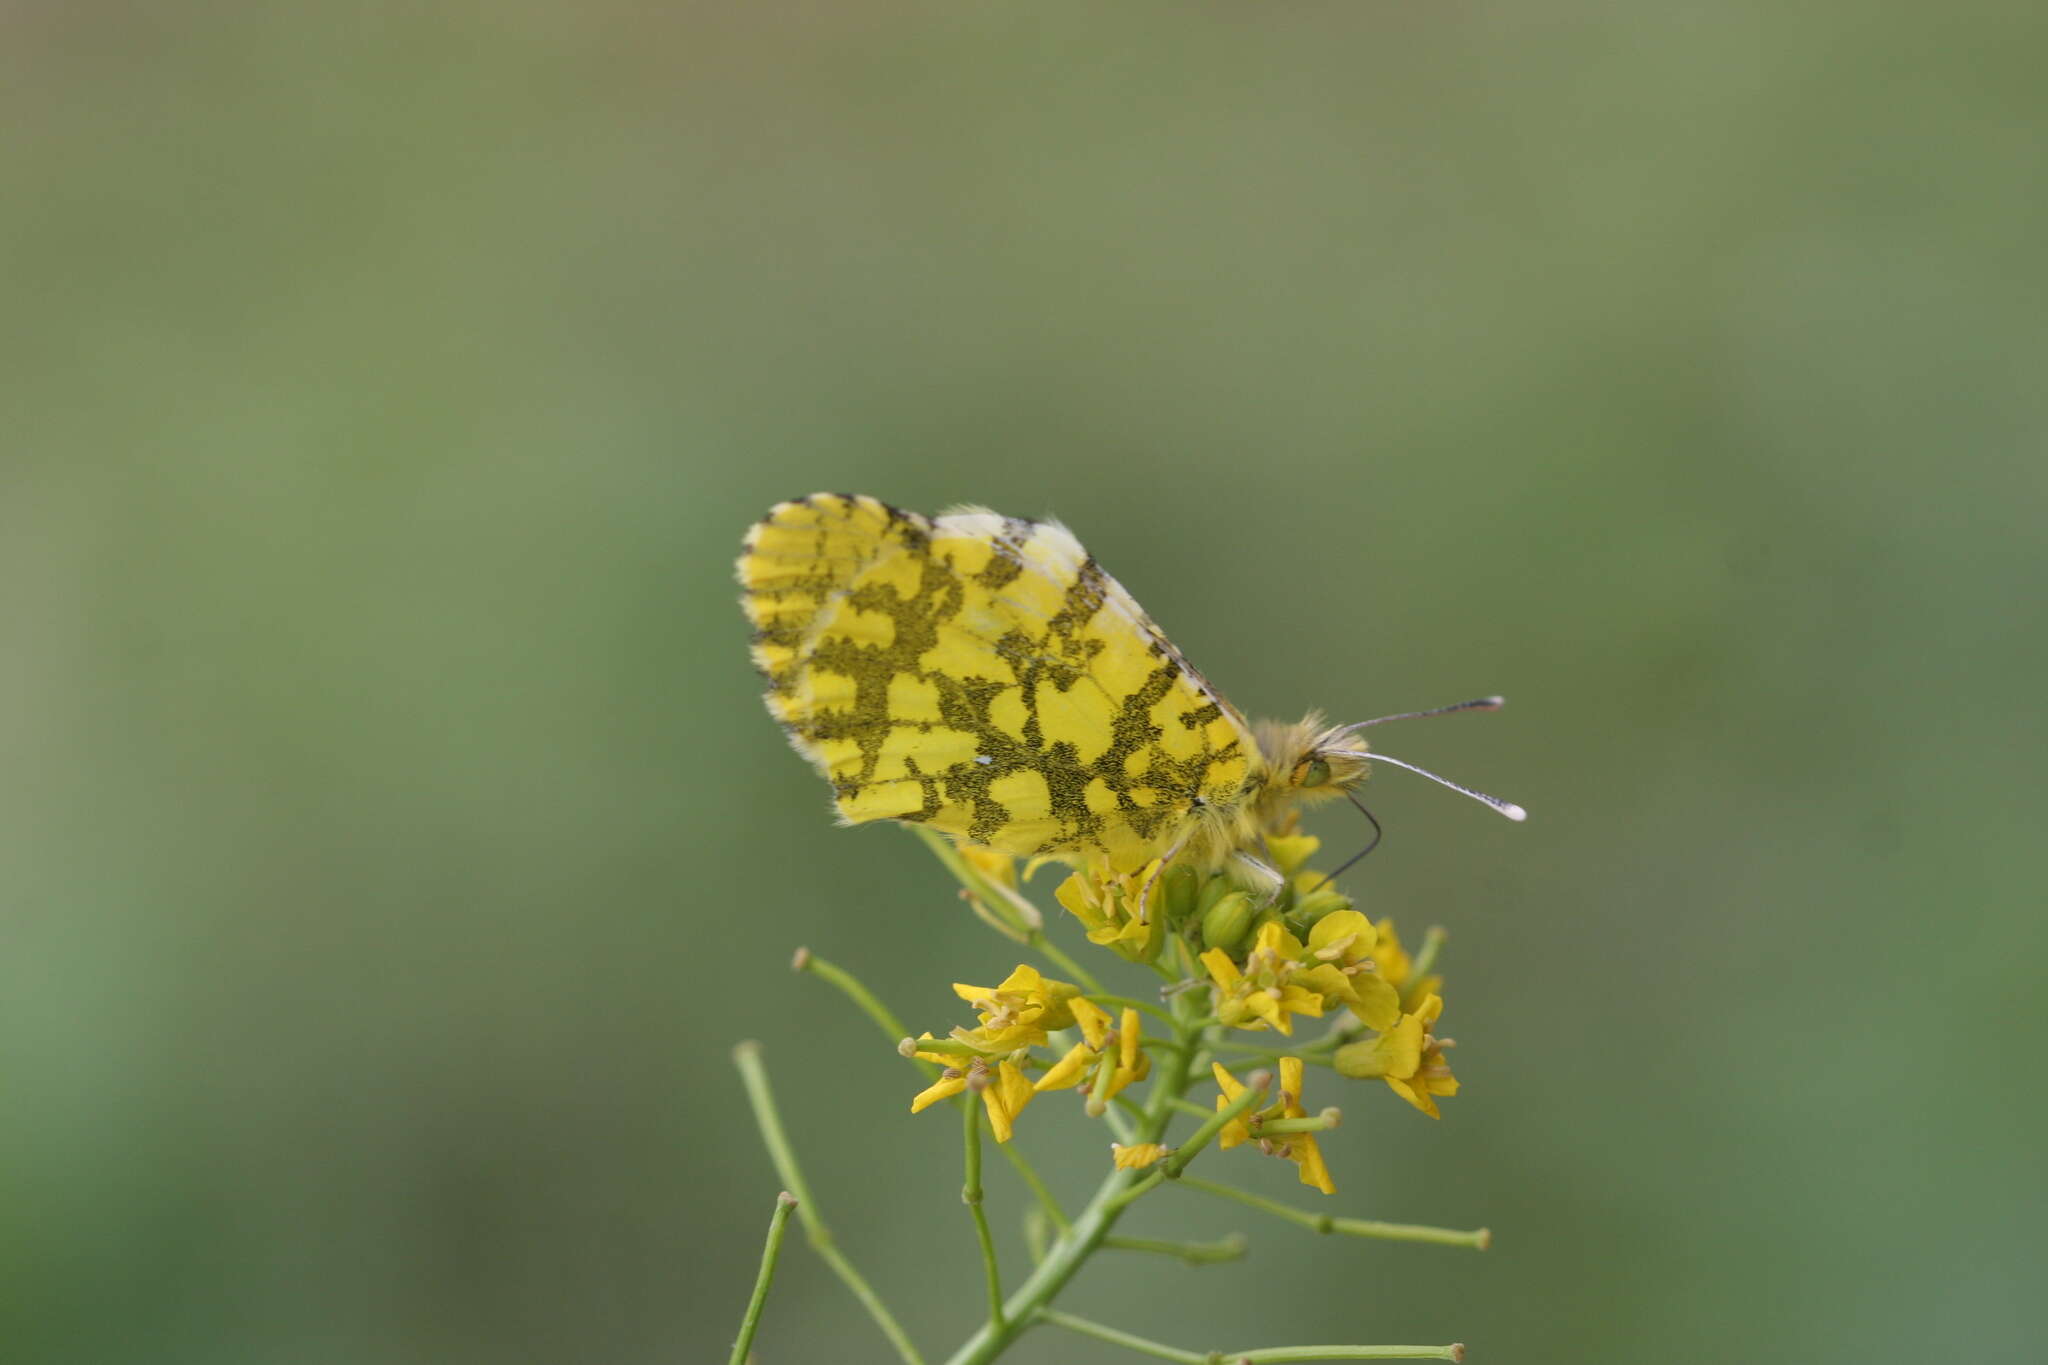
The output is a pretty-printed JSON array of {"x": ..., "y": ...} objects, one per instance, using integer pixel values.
[{"x": 1315, "y": 773}]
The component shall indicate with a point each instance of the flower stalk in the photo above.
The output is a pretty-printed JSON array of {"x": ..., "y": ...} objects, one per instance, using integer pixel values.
[
  {"x": 1232, "y": 963},
  {"x": 770, "y": 1254},
  {"x": 747, "y": 1057}
]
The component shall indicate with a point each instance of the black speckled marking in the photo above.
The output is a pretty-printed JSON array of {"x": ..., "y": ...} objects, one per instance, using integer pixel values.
[{"x": 1057, "y": 657}]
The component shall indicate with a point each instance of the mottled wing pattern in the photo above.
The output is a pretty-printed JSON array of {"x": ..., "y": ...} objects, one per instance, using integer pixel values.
[{"x": 982, "y": 675}]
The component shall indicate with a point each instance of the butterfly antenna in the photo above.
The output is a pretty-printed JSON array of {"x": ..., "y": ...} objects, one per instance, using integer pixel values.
[
  {"x": 1507, "y": 808},
  {"x": 1476, "y": 704},
  {"x": 1377, "y": 835}
]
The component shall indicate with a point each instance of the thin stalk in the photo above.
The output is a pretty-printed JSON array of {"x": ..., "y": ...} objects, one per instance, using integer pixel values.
[
  {"x": 777, "y": 1222},
  {"x": 1229, "y": 1248},
  {"x": 1038, "y": 1187},
  {"x": 1037, "y": 1233},
  {"x": 1127, "y": 1002},
  {"x": 747, "y": 1057},
  {"x": 1425, "y": 957},
  {"x": 970, "y": 1194},
  {"x": 1269, "y": 1355},
  {"x": 851, "y": 986},
  {"x": 1190, "y": 1148},
  {"x": 1045, "y": 947},
  {"x": 1116, "y": 1336},
  {"x": 1323, "y": 1122},
  {"x": 1072, "y": 1249},
  {"x": 1479, "y": 1239},
  {"x": 1286, "y": 1355}
]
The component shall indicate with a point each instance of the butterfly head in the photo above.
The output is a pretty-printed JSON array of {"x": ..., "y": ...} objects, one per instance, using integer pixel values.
[{"x": 1310, "y": 761}]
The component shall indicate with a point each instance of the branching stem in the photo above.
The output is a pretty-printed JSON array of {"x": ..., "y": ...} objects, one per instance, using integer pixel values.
[
  {"x": 747, "y": 1057},
  {"x": 970, "y": 1194}
]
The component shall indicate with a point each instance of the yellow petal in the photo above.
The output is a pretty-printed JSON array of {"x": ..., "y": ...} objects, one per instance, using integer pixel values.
[
  {"x": 1309, "y": 1157},
  {"x": 1221, "y": 968},
  {"x": 1127, "y": 1039},
  {"x": 1375, "y": 1001},
  {"x": 944, "y": 1088},
  {"x": 1419, "y": 1098},
  {"x": 1005, "y": 1098},
  {"x": 1290, "y": 851},
  {"x": 1341, "y": 936},
  {"x": 1093, "y": 1019},
  {"x": 1024, "y": 981},
  {"x": 1137, "y": 1157},
  {"x": 1393, "y": 960},
  {"x": 1067, "y": 1070},
  {"x": 1329, "y": 983},
  {"x": 1397, "y": 1052},
  {"x": 1268, "y": 1009}
]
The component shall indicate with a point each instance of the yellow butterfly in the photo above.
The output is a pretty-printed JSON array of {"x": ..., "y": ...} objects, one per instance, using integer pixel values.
[{"x": 982, "y": 675}]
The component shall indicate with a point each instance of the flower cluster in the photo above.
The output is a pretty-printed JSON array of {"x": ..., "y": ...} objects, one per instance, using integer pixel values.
[
  {"x": 1270, "y": 952},
  {"x": 1298, "y": 1147},
  {"x": 1021, "y": 1014}
]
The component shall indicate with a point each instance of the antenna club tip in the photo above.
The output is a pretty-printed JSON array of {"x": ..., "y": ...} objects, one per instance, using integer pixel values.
[
  {"x": 1491, "y": 703},
  {"x": 1513, "y": 811}
]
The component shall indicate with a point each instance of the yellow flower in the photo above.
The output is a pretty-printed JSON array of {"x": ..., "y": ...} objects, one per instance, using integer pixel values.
[
  {"x": 1300, "y": 1148},
  {"x": 1282, "y": 977},
  {"x": 1121, "y": 911},
  {"x": 1396, "y": 966},
  {"x": 1015, "y": 1017},
  {"x": 1023, "y": 1007},
  {"x": 1005, "y": 1091},
  {"x": 1114, "y": 1067},
  {"x": 1290, "y": 852},
  {"x": 1407, "y": 1057},
  {"x": 1347, "y": 940},
  {"x": 1138, "y": 1157}
]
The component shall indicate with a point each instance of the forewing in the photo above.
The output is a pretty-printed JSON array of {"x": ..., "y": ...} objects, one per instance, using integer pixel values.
[{"x": 982, "y": 675}]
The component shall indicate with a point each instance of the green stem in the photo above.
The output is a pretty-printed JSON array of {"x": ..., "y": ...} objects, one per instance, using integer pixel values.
[
  {"x": 1269, "y": 1355},
  {"x": 970, "y": 1194},
  {"x": 747, "y": 1057},
  {"x": 1038, "y": 1188},
  {"x": 1479, "y": 1239},
  {"x": 1424, "y": 961},
  {"x": 1229, "y": 1248},
  {"x": 777, "y": 1222},
  {"x": 1191, "y": 1148},
  {"x": 1285, "y": 1355},
  {"x": 1314, "y": 1053},
  {"x": 1117, "y": 1337},
  {"x": 850, "y": 985},
  {"x": 1045, "y": 947},
  {"x": 1126, "y": 1002},
  {"x": 1282, "y": 1127},
  {"x": 1036, "y": 1232},
  {"x": 1072, "y": 1249}
]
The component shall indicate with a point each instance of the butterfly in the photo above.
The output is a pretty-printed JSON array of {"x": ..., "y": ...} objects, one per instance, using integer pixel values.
[{"x": 983, "y": 676}]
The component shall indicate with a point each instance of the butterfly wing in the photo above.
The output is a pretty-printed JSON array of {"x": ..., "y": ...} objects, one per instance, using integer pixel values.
[{"x": 982, "y": 675}]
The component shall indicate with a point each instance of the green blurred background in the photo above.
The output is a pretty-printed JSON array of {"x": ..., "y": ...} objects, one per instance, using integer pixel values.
[{"x": 393, "y": 844}]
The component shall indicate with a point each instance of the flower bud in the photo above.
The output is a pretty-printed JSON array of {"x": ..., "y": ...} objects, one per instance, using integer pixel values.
[
  {"x": 1313, "y": 905},
  {"x": 1183, "y": 885},
  {"x": 1224, "y": 923}
]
